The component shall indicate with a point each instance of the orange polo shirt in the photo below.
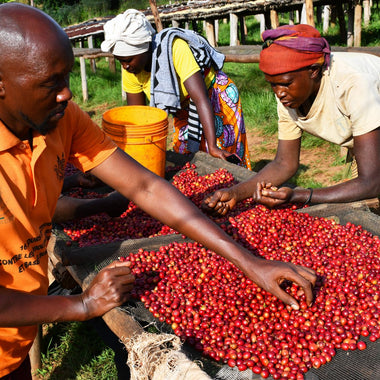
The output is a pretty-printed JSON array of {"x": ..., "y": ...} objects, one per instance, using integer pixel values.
[{"x": 30, "y": 184}]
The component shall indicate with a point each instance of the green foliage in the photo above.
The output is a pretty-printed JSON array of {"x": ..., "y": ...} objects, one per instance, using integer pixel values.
[
  {"x": 74, "y": 351},
  {"x": 104, "y": 87},
  {"x": 259, "y": 104}
]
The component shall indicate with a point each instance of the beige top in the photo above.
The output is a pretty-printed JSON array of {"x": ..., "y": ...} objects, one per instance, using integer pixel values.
[{"x": 347, "y": 104}]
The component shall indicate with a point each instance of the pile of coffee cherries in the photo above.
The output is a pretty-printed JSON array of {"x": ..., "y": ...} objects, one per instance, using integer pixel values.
[
  {"x": 135, "y": 223},
  {"x": 212, "y": 305}
]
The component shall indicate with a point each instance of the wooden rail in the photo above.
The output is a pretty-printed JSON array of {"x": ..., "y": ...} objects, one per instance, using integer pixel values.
[{"x": 238, "y": 54}]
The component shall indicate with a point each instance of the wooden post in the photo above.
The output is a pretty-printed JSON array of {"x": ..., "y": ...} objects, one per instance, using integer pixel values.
[
  {"x": 326, "y": 18},
  {"x": 157, "y": 20},
  {"x": 234, "y": 30},
  {"x": 358, "y": 25},
  {"x": 91, "y": 46},
  {"x": 274, "y": 22},
  {"x": 303, "y": 19},
  {"x": 112, "y": 64},
  {"x": 216, "y": 31},
  {"x": 175, "y": 23},
  {"x": 367, "y": 12},
  {"x": 210, "y": 32},
  {"x": 309, "y": 12},
  {"x": 84, "y": 78},
  {"x": 261, "y": 19},
  {"x": 35, "y": 353}
]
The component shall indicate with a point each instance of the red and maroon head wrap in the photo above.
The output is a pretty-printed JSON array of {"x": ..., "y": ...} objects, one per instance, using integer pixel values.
[{"x": 292, "y": 47}]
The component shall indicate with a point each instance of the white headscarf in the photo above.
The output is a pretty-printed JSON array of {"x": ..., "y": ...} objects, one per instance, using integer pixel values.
[{"x": 127, "y": 34}]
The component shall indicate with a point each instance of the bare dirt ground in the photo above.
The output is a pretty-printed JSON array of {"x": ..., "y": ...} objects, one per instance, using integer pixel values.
[{"x": 316, "y": 162}]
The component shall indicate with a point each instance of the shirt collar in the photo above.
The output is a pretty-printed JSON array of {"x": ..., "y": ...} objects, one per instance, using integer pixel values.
[{"x": 7, "y": 138}]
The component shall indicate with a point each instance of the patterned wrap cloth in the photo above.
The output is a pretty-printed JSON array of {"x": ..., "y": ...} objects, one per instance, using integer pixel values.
[
  {"x": 292, "y": 47},
  {"x": 229, "y": 122}
]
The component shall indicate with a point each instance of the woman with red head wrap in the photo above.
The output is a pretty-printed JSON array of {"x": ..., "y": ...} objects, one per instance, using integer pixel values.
[
  {"x": 295, "y": 47},
  {"x": 335, "y": 96}
]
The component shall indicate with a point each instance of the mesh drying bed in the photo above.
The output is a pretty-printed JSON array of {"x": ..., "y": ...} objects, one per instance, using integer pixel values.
[{"x": 346, "y": 365}]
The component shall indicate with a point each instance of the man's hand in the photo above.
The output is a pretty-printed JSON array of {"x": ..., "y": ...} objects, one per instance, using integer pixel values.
[
  {"x": 269, "y": 275},
  {"x": 110, "y": 288},
  {"x": 271, "y": 196},
  {"x": 220, "y": 202}
]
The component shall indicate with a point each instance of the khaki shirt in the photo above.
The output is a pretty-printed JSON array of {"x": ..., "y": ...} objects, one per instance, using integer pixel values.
[{"x": 347, "y": 103}]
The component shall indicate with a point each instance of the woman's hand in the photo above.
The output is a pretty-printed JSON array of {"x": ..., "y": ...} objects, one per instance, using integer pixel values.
[
  {"x": 218, "y": 153},
  {"x": 271, "y": 196},
  {"x": 220, "y": 202}
]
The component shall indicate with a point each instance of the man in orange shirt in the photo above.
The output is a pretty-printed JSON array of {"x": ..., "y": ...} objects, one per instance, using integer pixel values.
[{"x": 41, "y": 130}]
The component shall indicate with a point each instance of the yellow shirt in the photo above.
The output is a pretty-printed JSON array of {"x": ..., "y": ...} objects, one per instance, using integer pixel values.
[{"x": 185, "y": 66}]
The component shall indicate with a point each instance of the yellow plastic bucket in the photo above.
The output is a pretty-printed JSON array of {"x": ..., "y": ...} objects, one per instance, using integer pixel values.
[{"x": 141, "y": 131}]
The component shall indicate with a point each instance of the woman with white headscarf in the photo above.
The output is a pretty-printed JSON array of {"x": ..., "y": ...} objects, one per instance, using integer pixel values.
[{"x": 177, "y": 70}]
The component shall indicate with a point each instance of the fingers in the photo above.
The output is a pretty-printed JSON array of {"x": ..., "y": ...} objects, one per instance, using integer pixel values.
[
  {"x": 118, "y": 263},
  {"x": 118, "y": 272},
  {"x": 303, "y": 277},
  {"x": 257, "y": 192},
  {"x": 222, "y": 208},
  {"x": 215, "y": 202},
  {"x": 212, "y": 200},
  {"x": 110, "y": 288}
]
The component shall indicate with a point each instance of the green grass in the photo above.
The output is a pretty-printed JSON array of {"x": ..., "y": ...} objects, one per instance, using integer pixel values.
[{"x": 73, "y": 351}]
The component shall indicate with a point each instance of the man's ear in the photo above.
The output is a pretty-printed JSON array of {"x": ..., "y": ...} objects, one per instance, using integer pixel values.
[{"x": 2, "y": 87}]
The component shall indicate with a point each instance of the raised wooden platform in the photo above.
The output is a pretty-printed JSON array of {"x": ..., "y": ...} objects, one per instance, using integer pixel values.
[{"x": 193, "y": 10}]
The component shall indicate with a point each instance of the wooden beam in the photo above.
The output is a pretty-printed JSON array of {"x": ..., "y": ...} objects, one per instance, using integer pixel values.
[
  {"x": 243, "y": 58},
  {"x": 156, "y": 15}
]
